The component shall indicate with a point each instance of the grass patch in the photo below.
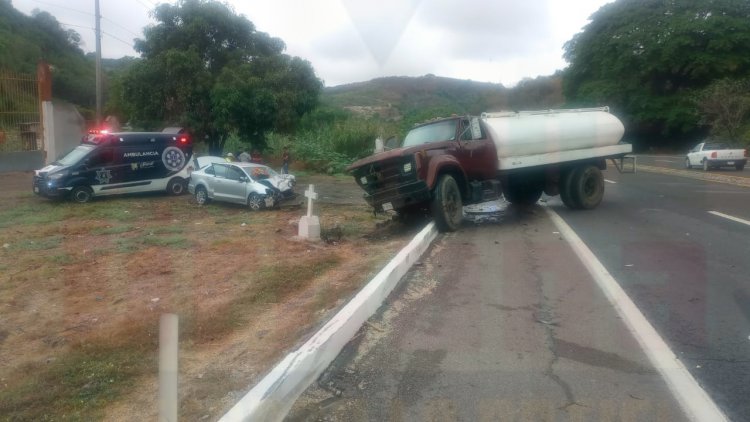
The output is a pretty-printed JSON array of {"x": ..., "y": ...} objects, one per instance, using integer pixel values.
[
  {"x": 28, "y": 214},
  {"x": 62, "y": 259},
  {"x": 113, "y": 229},
  {"x": 175, "y": 242},
  {"x": 127, "y": 244},
  {"x": 80, "y": 384},
  {"x": 49, "y": 242},
  {"x": 269, "y": 285},
  {"x": 168, "y": 230}
]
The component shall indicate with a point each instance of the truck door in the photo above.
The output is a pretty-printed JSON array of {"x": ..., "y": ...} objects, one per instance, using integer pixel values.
[{"x": 476, "y": 150}]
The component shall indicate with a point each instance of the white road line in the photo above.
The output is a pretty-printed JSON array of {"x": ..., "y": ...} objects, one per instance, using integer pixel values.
[
  {"x": 729, "y": 217},
  {"x": 610, "y": 181},
  {"x": 692, "y": 398},
  {"x": 663, "y": 161}
]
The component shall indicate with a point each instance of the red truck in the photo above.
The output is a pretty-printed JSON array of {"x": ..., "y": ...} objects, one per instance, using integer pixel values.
[{"x": 449, "y": 162}]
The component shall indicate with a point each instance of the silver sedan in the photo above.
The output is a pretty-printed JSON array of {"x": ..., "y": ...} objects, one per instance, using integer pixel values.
[{"x": 230, "y": 182}]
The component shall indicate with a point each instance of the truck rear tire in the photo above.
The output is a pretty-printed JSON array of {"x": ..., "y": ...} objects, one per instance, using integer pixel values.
[
  {"x": 587, "y": 187},
  {"x": 526, "y": 192},
  {"x": 566, "y": 194},
  {"x": 739, "y": 166},
  {"x": 446, "y": 206}
]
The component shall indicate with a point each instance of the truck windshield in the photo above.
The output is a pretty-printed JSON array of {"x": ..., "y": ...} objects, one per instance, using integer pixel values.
[
  {"x": 434, "y": 132},
  {"x": 76, "y": 155}
]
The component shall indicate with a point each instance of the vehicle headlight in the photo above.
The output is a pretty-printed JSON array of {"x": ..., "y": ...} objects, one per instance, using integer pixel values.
[
  {"x": 363, "y": 180},
  {"x": 55, "y": 176},
  {"x": 407, "y": 167}
]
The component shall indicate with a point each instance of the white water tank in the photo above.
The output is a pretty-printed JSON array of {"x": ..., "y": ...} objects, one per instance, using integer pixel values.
[{"x": 525, "y": 133}]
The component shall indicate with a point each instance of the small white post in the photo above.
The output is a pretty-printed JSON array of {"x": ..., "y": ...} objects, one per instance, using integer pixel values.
[
  {"x": 168, "y": 325},
  {"x": 310, "y": 194},
  {"x": 309, "y": 225}
]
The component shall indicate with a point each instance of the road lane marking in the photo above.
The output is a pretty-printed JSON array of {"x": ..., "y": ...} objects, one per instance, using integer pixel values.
[
  {"x": 694, "y": 401},
  {"x": 663, "y": 161},
  {"x": 730, "y": 217},
  {"x": 610, "y": 181}
]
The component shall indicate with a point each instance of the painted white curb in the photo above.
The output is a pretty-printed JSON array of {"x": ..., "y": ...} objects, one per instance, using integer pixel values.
[{"x": 275, "y": 394}]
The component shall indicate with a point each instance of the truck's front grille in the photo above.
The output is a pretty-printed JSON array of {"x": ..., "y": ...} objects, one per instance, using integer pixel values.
[{"x": 382, "y": 175}]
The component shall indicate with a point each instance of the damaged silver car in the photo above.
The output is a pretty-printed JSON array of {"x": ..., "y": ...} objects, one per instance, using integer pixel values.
[{"x": 254, "y": 185}]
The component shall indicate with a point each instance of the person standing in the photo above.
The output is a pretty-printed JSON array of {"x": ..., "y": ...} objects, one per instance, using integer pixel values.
[
  {"x": 245, "y": 157},
  {"x": 285, "y": 159}
]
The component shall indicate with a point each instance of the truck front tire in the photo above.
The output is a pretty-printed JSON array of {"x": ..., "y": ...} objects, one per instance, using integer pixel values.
[{"x": 446, "y": 206}]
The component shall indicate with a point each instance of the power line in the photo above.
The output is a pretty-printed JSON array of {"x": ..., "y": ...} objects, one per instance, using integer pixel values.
[
  {"x": 63, "y": 7},
  {"x": 129, "y": 44},
  {"x": 119, "y": 26},
  {"x": 145, "y": 5}
]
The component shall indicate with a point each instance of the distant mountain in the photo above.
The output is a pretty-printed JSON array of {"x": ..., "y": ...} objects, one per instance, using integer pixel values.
[{"x": 396, "y": 97}]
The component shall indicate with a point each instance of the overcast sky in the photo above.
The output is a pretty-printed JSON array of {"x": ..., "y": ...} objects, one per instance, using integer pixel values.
[{"x": 357, "y": 40}]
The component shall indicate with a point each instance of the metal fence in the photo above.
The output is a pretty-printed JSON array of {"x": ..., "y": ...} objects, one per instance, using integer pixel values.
[{"x": 20, "y": 113}]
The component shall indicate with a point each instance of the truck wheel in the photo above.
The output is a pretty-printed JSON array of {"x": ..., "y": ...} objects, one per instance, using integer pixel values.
[
  {"x": 587, "y": 187},
  {"x": 526, "y": 192},
  {"x": 81, "y": 194},
  {"x": 706, "y": 167},
  {"x": 566, "y": 194},
  {"x": 176, "y": 186},
  {"x": 739, "y": 166},
  {"x": 446, "y": 206}
]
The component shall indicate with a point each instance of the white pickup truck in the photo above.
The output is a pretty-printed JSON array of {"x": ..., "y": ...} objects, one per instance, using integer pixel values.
[{"x": 710, "y": 155}]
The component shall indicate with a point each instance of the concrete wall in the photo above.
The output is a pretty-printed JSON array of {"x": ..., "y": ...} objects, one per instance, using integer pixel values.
[
  {"x": 21, "y": 160},
  {"x": 63, "y": 128}
]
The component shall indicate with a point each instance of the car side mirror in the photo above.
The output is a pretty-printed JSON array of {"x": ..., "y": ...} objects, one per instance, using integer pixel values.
[
  {"x": 391, "y": 143},
  {"x": 244, "y": 179}
]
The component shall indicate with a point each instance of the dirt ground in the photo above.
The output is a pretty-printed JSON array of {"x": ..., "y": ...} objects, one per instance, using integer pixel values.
[{"x": 82, "y": 287}]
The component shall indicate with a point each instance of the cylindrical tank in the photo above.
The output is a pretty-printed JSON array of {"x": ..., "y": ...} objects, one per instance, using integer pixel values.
[{"x": 525, "y": 133}]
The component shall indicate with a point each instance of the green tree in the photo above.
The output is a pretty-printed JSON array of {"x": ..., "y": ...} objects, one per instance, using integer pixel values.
[
  {"x": 649, "y": 58},
  {"x": 207, "y": 68},
  {"x": 725, "y": 106}
]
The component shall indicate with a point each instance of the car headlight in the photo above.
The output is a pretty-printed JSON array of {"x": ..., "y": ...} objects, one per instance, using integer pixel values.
[
  {"x": 407, "y": 167},
  {"x": 363, "y": 180},
  {"x": 55, "y": 176}
]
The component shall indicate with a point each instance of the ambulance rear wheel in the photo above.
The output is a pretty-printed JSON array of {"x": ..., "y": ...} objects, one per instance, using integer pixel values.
[
  {"x": 81, "y": 194},
  {"x": 176, "y": 186}
]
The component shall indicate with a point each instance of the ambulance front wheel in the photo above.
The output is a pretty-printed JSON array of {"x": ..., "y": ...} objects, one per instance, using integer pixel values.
[
  {"x": 176, "y": 186},
  {"x": 81, "y": 194}
]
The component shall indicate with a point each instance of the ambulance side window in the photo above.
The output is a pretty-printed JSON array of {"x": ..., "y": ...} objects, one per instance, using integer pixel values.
[{"x": 101, "y": 157}]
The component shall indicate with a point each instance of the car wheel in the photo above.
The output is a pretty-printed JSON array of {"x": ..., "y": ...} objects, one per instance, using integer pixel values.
[
  {"x": 687, "y": 164},
  {"x": 81, "y": 194},
  {"x": 256, "y": 202},
  {"x": 201, "y": 196},
  {"x": 176, "y": 186},
  {"x": 739, "y": 166},
  {"x": 706, "y": 167},
  {"x": 446, "y": 206}
]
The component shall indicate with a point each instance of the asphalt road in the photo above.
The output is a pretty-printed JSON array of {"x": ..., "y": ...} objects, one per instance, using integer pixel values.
[
  {"x": 687, "y": 270},
  {"x": 502, "y": 321}
]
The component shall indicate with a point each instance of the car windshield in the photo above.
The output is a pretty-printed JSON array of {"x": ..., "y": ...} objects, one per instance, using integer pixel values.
[
  {"x": 75, "y": 155},
  {"x": 433, "y": 132}
]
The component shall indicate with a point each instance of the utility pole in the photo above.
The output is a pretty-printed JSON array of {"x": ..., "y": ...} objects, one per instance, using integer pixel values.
[{"x": 98, "y": 64}]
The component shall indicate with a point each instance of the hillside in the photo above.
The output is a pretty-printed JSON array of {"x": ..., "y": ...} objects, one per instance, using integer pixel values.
[{"x": 396, "y": 97}]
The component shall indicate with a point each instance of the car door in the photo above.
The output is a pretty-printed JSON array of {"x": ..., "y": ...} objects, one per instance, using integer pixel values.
[
  {"x": 228, "y": 183},
  {"x": 476, "y": 151},
  {"x": 694, "y": 155}
]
